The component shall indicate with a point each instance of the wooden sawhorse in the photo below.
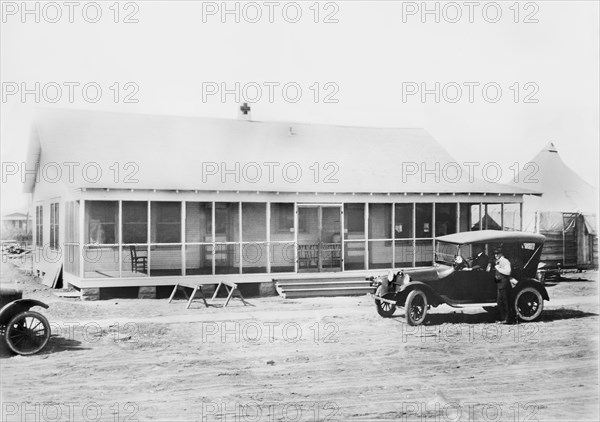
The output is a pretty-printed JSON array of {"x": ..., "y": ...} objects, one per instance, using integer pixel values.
[
  {"x": 197, "y": 288},
  {"x": 231, "y": 288}
]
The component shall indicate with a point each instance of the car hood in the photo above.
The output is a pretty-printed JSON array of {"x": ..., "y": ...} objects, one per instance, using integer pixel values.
[{"x": 432, "y": 273}]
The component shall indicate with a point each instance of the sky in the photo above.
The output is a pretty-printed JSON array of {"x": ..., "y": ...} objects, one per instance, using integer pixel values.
[{"x": 344, "y": 63}]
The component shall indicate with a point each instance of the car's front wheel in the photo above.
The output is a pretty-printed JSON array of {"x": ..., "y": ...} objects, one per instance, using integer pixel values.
[
  {"x": 416, "y": 307},
  {"x": 385, "y": 309},
  {"x": 528, "y": 304}
]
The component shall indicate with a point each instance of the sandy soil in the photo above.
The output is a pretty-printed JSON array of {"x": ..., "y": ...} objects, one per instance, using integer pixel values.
[{"x": 306, "y": 360}]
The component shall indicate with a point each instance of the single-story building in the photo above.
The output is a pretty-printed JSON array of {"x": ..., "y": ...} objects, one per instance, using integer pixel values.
[
  {"x": 16, "y": 222},
  {"x": 127, "y": 200}
]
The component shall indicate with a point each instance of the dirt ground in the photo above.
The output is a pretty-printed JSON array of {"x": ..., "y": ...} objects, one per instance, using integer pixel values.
[{"x": 304, "y": 360}]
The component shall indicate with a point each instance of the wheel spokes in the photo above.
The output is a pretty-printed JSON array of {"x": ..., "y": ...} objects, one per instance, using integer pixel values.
[{"x": 26, "y": 335}]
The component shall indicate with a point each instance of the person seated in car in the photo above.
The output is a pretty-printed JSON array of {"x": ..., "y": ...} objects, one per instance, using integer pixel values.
[{"x": 480, "y": 259}]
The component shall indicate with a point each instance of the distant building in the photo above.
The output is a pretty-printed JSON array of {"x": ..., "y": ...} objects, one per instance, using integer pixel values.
[
  {"x": 14, "y": 223},
  {"x": 154, "y": 199}
]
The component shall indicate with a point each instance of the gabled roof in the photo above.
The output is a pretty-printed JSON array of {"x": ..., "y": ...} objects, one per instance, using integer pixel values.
[
  {"x": 484, "y": 236},
  {"x": 15, "y": 216},
  {"x": 168, "y": 152},
  {"x": 563, "y": 189}
]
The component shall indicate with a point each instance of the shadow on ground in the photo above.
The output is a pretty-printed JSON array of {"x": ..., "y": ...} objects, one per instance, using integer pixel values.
[
  {"x": 491, "y": 316},
  {"x": 56, "y": 344},
  {"x": 564, "y": 313}
]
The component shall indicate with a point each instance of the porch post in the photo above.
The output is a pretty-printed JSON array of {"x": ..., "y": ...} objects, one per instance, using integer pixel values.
[
  {"x": 296, "y": 211},
  {"x": 481, "y": 216},
  {"x": 213, "y": 239},
  {"x": 149, "y": 234},
  {"x": 366, "y": 205},
  {"x": 414, "y": 241},
  {"x": 457, "y": 217},
  {"x": 120, "y": 238},
  {"x": 268, "y": 237},
  {"x": 183, "y": 226},
  {"x": 342, "y": 236},
  {"x": 393, "y": 222},
  {"x": 240, "y": 235},
  {"x": 81, "y": 238}
]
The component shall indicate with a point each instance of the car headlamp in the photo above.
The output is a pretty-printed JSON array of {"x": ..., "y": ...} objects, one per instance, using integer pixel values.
[
  {"x": 405, "y": 279},
  {"x": 390, "y": 276}
]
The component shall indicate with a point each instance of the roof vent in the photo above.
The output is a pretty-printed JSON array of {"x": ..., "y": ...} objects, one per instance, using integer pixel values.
[{"x": 244, "y": 113}]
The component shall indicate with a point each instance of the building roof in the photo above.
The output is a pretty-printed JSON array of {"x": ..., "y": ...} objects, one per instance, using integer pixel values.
[
  {"x": 484, "y": 236},
  {"x": 168, "y": 152},
  {"x": 562, "y": 188},
  {"x": 16, "y": 216}
]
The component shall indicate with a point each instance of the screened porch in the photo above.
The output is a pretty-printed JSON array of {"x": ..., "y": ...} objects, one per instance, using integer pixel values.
[{"x": 129, "y": 239}]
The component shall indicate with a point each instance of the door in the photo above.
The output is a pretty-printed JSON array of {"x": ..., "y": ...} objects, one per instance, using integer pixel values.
[{"x": 319, "y": 238}]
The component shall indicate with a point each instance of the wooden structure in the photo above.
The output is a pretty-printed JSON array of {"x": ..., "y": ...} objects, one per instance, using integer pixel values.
[
  {"x": 160, "y": 200},
  {"x": 572, "y": 244},
  {"x": 231, "y": 288}
]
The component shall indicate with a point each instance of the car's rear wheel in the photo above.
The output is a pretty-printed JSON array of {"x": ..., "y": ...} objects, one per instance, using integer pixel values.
[
  {"x": 385, "y": 309},
  {"x": 528, "y": 304},
  {"x": 416, "y": 307}
]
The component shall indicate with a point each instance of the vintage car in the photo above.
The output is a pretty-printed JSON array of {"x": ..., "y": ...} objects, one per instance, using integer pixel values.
[
  {"x": 25, "y": 332},
  {"x": 452, "y": 281}
]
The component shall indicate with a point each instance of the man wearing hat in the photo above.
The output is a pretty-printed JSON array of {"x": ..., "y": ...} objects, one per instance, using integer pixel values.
[{"x": 504, "y": 296}]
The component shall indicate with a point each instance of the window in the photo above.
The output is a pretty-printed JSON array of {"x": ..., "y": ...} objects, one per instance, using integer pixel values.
[
  {"x": 39, "y": 225},
  {"x": 403, "y": 224},
  {"x": 166, "y": 222},
  {"x": 380, "y": 221},
  {"x": 135, "y": 222},
  {"x": 285, "y": 218},
  {"x": 424, "y": 220},
  {"x": 254, "y": 222},
  {"x": 492, "y": 217},
  {"x": 512, "y": 217},
  {"x": 101, "y": 222},
  {"x": 227, "y": 221},
  {"x": 354, "y": 221},
  {"x": 445, "y": 219},
  {"x": 198, "y": 222},
  {"x": 54, "y": 226},
  {"x": 475, "y": 216}
]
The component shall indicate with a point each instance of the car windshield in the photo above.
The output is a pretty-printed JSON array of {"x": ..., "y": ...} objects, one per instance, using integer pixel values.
[{"x": 445, "y": 252}]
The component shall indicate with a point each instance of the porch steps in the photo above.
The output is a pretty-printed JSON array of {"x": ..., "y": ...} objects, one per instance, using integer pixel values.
[{"x": 322, "y": 287}]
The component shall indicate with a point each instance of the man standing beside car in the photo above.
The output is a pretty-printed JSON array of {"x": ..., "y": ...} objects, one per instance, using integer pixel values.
[{"x": 502, "y": 277}]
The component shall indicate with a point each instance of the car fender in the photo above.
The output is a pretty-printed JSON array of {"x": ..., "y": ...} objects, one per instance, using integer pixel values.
[
  {"x": 11, "y": 309},
  {"x": 535, "y": 284},
  {"x": 433, "y": 297}
]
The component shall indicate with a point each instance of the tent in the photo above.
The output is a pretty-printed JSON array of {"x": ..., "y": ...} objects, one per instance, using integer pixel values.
[{"x": 566, "y": 213}]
